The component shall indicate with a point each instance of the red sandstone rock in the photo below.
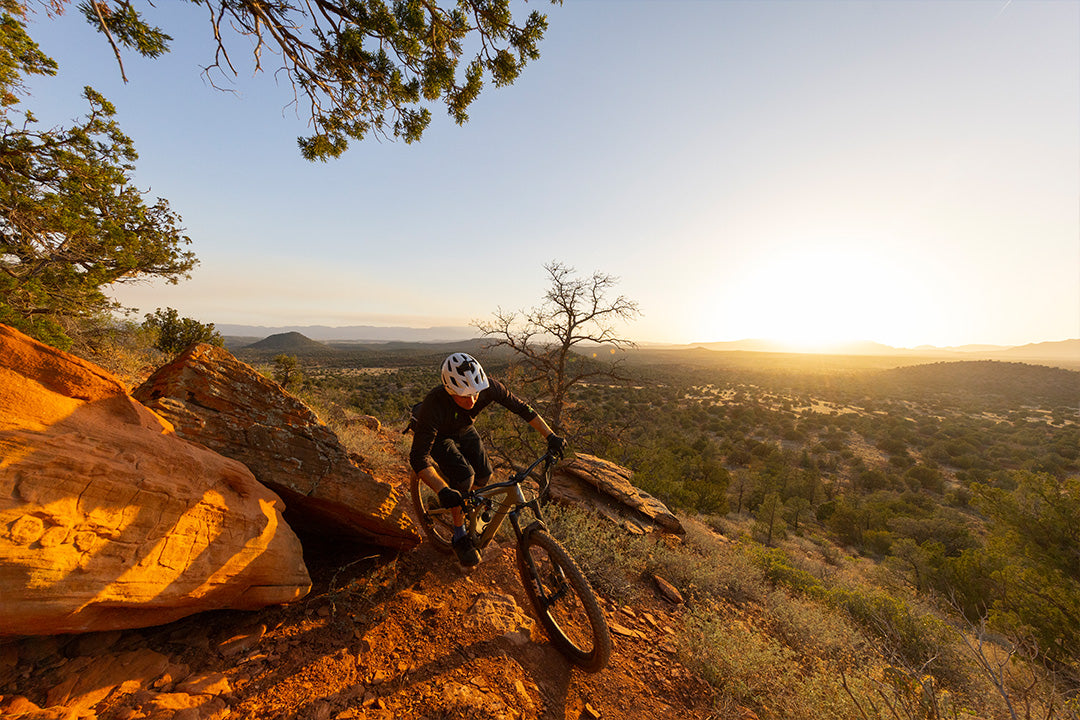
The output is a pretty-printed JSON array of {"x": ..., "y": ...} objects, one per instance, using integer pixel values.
[
  {"x": 213, "y": 398},
  {"x": 607, "y": 488},
  {"x": 668, "y": 591},
  {"x": 109, "y": 520},
  {"x": 90, "y": 679}
]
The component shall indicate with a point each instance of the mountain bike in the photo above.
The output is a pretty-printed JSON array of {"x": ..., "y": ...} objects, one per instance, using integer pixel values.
[{"x": 561, "y": 597}]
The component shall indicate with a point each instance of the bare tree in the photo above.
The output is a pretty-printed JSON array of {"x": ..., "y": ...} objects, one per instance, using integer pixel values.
[
  {"x": 1017, "y": 670},
  {"x": 576, "y": 311}
]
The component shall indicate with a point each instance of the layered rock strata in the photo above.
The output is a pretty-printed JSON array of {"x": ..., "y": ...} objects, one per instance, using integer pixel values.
[
  {"x": 609, "y": 489},
  {"x": 215, "y": 399}
]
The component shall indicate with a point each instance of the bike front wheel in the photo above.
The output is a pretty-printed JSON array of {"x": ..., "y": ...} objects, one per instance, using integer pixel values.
[
  {"x": 564, "y": 601},
  {"x": 436, "y": 522}
]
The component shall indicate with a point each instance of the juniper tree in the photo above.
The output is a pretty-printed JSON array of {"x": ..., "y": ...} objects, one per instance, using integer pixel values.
[
  {"x": 173, "y": 333},
  {"x": 356, "y": 67},
  {"x": 1031, "y": 563},
  {"x": 71, "y": 221},
  {"x": 287, "y": 372}
]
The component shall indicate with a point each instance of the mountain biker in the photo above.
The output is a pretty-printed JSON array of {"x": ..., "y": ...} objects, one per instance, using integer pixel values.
[{"x": 447, "y": 453}]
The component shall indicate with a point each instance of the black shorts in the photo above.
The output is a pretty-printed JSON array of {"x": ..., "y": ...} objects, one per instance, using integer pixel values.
[{"x": 462, "y": 459}]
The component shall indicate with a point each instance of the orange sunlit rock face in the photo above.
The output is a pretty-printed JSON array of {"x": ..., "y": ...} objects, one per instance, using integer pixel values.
[
  {"x": 214, "y": 399},
  {"x": 607, "y": 488},
  {"x": 108, "y": 520}
]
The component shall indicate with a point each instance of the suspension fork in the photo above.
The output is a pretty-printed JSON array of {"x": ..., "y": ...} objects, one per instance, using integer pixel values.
[{"x": 547, "y": 595}]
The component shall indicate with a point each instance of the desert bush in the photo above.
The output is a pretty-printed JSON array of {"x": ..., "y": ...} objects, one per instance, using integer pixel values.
[
  {"x": 122, "y": 348},
  {"x": 903, "y": 695},
  {"x": 915, "y": 636},
  {"x": 751, "y": 668},
  {"x": 877, "y": 542},
  {"x": 379, "y": 453},
  {"x": 813, "y": 629},
  {"x": 726, "y": 573},
  {"x": 778, "y": 569},
  {"x": 703, "y": 567},
  {"x": 710, "y": 567},
  {"x": 610, "y": 558},
  {"x": 739, "y": 662}
]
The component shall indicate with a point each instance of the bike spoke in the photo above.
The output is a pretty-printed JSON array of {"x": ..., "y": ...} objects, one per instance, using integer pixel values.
[
  {"x": 435, "y": 521},
  {"x": 440, "y": 519}
]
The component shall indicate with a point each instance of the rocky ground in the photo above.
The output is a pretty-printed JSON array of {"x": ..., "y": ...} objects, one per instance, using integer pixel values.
[{"x": 406, "y": 636}]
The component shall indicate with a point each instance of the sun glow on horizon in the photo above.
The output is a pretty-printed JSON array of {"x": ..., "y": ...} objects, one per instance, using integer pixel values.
[{"x": 815, "y": 299}]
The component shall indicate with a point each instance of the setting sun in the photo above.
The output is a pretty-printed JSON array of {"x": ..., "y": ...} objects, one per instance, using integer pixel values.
[{"x": 815, "y": 299}]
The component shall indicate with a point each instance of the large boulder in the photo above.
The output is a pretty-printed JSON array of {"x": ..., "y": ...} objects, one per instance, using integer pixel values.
[
  {"x": 108, "y": 520},
  {"x": 223, "y": 403},
  {"x": 608, "y": 489}
]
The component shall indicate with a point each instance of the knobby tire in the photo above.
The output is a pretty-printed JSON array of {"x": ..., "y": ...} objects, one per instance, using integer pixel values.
[{"x": 564, "y": 601}]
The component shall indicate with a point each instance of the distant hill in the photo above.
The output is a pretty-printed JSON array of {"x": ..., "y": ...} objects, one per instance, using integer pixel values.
[
  {"x": 1063, "y": 349},
  {"x": 293, "y": 343},
  {"x": 360, "y": 355},
  {"x": 1018, "y": 383},
  {"x": 976, "y": 348}
]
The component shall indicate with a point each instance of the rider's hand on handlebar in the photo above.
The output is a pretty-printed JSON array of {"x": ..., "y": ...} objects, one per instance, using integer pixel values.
[
  {"x": 450, "y": 498},
  {"x": 556, "y": 445}
]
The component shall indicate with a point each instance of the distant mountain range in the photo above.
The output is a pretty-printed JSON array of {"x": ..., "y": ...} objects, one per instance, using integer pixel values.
[
  {"x": 1063, "y": 349},
  {"x": 355, "y": 333}
]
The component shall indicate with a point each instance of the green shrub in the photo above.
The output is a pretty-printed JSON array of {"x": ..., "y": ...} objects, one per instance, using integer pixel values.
[
  {"x": 174, "y": 334},
  {"x": 878, "y": 542},
  {"x": 915, "y": 637},
  {"x": 778, "y": 569}
]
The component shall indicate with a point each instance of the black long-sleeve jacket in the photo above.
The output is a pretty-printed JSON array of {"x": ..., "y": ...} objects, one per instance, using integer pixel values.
[{"x": 440, "y": 416}]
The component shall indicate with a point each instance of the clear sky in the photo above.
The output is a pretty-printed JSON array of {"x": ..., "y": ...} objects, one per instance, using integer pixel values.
[{"x": 904, "y": 172}]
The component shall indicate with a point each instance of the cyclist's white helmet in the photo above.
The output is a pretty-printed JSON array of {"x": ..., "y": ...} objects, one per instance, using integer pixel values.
[{"x": 462, "y": 375}]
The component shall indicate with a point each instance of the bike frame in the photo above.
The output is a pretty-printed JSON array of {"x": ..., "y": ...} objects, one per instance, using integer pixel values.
[
  {"x": 505, "y": 500},
  {"x": 560, "y": 594}
]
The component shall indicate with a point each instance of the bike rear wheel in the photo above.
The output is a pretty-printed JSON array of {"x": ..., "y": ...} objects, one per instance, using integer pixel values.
[
  {"x": 564, "y": 601},
  {"x": 436, "y": 523}
]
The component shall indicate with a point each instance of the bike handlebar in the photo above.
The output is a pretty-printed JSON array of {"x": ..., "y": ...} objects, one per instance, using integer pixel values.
[{"x": 521, "y": 475}]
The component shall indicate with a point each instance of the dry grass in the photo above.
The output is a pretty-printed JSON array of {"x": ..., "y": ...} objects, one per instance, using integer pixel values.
[
  {"x": 383, "y": 453},
  {"x": 790, "y": 635},
  {"x": 611, "y": 559},
  {"x": 125, "y": 356},
  {"x": 815, "y": 629},
  {"x": 753, "y": 668}
]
